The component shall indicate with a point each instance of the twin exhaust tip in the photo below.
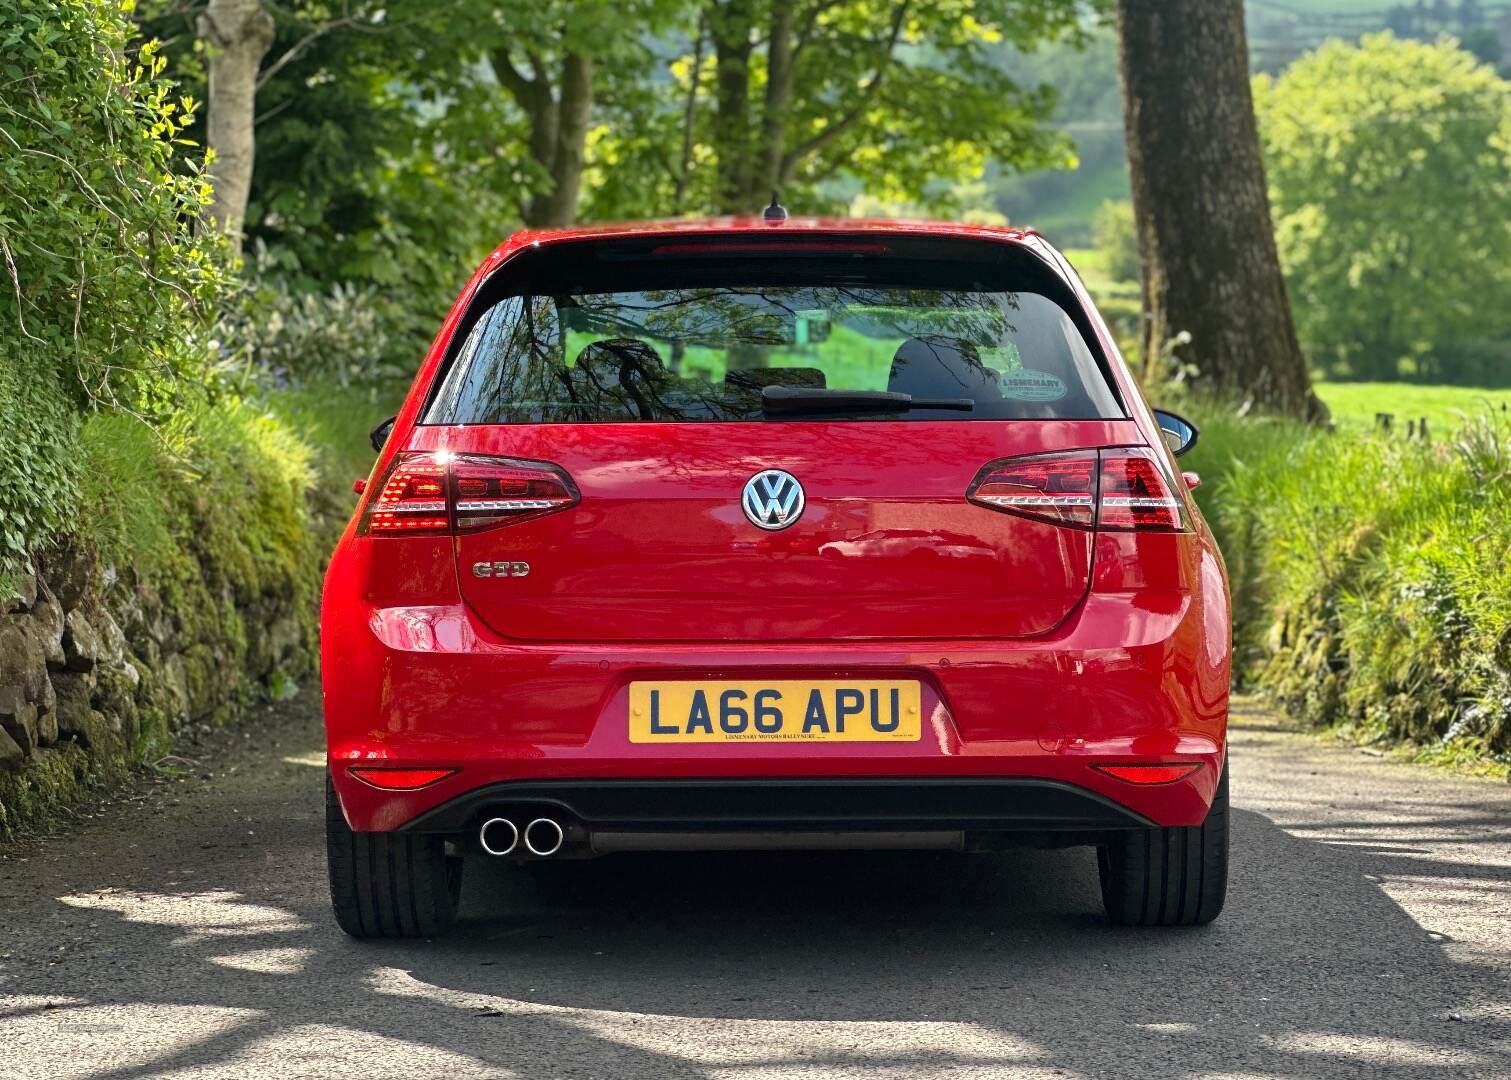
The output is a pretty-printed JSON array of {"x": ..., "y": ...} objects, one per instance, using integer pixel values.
[
  {"x": 542, "y": 837},
  {"x": 499, "y": 836}
]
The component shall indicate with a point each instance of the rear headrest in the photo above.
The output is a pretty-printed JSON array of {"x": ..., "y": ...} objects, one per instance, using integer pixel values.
[
  {"x": 809, "y": 378},
  {"x": 622, "y": 376},
  {"x": 626, "y": 357},
  {"x": 941, "y": 367}
]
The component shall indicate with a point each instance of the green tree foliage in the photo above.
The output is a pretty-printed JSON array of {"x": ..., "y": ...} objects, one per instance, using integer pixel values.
[
  {"x": 122, "y": 431},
  {"x": 1088, "y": 106},
  {"x": 904, "y": 99},
  {"x": 106, "y": 291},
  {"x": 1389, "y": 164},
  {"x": 364, "y": 177},
  {"x": 396, "y": 142},
  {"x": 106, "y": 284}
]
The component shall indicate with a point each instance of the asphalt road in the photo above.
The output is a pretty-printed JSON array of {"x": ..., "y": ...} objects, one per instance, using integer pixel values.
[{"x": 184, "y": 932}]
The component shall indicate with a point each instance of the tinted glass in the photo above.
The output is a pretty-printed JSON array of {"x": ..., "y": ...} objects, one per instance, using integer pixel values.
[{"x": 706, "y": 353}]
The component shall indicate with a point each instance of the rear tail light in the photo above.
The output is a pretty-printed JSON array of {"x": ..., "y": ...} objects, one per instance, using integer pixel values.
[
  {"x": 1135, "y": 494},
  {"x": 442, "y": 492},
  {"x": 500, "y": 491},
  {"x": 1120, "y": 489},
  {"x": 1052, "y": 487},
  {"x": 412, "y": 498}
]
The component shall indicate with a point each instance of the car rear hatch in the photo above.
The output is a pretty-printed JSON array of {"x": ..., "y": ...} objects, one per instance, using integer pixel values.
[{"x": 606, "y": 446}]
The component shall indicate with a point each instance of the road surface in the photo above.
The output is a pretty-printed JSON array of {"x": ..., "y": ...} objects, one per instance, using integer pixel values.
[{"x": 184, "y": 932}]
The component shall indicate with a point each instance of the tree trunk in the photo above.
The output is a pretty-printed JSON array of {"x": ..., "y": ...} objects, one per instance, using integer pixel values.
[
  {"x": 730, "y": 24},
  {"x": 574, "y": 112},
  {"x": 1206, "y": 242},
  {"x": 558, "y": 130},
  {"x": 689, "y": 118},
  {"x": 779, "y": 73},
  {"x": 239, "y": 34}
]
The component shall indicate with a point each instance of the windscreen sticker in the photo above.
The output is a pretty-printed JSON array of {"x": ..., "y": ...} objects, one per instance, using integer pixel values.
[{"x": 1026, "y": 384}]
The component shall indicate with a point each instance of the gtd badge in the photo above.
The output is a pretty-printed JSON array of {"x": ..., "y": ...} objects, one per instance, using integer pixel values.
[
  {"x": 772, "y": 499},
  {"x": 500, "y": 569}
]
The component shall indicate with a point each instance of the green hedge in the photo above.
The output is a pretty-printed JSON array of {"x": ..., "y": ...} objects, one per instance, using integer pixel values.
[
  {"x": 108, "y": 289},
  {"x": 1371, "y": 576},
  {"x": 132, "y": 458}
]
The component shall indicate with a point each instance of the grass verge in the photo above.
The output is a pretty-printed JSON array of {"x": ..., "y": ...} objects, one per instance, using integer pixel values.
[{"x": 1371, "y": 578}]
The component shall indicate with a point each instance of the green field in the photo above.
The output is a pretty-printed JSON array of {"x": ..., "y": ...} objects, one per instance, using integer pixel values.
[
  {"x": 1443, "y": 406},
  {"x": 1091, "y": 264}
]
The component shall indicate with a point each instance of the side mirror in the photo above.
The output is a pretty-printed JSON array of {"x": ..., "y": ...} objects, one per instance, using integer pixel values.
[
  {"x": 379, "y": 435},
  {"x": 1180, "y": 434}
]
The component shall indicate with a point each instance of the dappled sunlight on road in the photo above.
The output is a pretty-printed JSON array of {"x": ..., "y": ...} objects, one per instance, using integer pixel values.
[
  {"x": 215, "y": 913},
  {"x": 267, "y": 961},
  {"x": 749, "y": 1043},
  {"x": 1380, "y": 1050},
  {"x": 1358, "y": 941},
  {"x": 314, "y": 759}
]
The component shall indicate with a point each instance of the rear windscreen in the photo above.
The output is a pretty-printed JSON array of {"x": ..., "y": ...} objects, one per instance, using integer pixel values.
[{"x": 709, "y": 351}]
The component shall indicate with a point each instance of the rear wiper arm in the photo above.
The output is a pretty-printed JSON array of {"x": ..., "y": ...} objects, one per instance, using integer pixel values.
[{"x": 791, "y": 400}]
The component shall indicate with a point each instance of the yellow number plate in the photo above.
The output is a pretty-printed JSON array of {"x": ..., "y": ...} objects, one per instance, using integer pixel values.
[{"x": 830, "y": 711}]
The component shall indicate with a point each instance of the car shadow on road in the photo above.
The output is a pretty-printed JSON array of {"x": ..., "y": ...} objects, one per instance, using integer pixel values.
[{"x": 747, "y": 965}]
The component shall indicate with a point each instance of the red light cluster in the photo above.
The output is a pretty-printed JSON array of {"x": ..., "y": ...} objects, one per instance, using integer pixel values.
[
  {"x": 1134, "y": 494},
  {"x": 497, "y": 491},
  {"x": 1058, "y": 488},
  {"x": 413, "y": 498},
  {"x": 1120, "y": 489},
  {"x": 428, "y": 493}
]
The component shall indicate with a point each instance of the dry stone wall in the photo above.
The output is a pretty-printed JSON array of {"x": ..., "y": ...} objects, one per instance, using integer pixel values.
[{"x": 99, "y": 670}]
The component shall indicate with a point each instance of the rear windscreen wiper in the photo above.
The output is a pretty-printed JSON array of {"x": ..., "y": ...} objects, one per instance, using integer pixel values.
[{"x": 791, "y": 400}]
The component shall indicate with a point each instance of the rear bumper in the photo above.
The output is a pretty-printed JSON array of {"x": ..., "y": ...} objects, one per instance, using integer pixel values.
[
  {"x": 1137, "y": 675},
  {"x": 1018, "y": 724},
  {"x": 779, "y": 805}
]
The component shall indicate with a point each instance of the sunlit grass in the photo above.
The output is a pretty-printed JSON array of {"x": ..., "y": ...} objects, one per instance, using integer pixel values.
[
  {"x": 335, "y": 420},
  {"x": 1370, "y": 575}
]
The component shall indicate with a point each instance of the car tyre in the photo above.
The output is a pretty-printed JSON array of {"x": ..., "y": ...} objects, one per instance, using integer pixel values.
[
  {"x": 1168, "y": 877},
  {"x": 389, "y": 885}
]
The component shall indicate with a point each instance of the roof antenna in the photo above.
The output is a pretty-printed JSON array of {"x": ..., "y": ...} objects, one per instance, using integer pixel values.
[{"x": 776, "y": 211}]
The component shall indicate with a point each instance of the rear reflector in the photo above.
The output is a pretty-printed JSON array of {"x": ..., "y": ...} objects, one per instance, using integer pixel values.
[
  {"x": 1149, "y": 774},
  {"x": 1120, "y": 489},
  {"x": 400, "y": 779},
  {"x": 441, "y": 492}
]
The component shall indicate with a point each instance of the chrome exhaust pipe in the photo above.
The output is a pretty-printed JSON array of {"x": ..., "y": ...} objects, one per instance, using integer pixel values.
[
  {"x": 544, "y": 836},
  {"x": 499, "y": 836}
]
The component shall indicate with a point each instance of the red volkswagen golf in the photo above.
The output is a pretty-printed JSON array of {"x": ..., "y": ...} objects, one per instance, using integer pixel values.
[{"x": 745, "y": 534}]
